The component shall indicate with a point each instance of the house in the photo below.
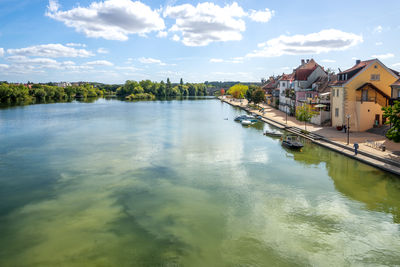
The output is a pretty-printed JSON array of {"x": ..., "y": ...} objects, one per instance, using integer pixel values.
[
  {"x": 300, "y": 85},
  {"x": 270, "y": 88},
  {"x": 360, "y": 93},
  {"x": 286, "y": 93},
  {"x": 307, "y": 73}
]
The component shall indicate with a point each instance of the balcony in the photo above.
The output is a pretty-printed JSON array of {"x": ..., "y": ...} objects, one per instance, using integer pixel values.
[{"x": 366, "y": 99}]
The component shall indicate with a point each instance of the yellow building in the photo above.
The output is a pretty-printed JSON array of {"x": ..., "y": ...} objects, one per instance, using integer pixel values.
[{"x": 360, "y": 93}]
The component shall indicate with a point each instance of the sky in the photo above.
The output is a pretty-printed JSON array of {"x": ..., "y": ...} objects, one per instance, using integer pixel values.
[{"x": 112, "y": 41}]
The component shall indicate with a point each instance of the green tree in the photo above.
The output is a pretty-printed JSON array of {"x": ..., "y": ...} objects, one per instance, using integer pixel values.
[
  {"x": 392, "y": 113},
  {"x": 168, "y": 87},
  {"x": 181, "y": 86},
  {"x": 40, "y": 94},
  {"x": 192, "y": 89},
  {"x": 305, "y": 113},
  {"x": 258, "y": 96}
]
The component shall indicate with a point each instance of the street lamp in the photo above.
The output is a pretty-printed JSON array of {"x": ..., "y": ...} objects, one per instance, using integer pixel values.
[{"x": 348, "y": 127}]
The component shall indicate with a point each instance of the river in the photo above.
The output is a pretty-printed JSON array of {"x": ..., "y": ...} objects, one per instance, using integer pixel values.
[{"x": 172, "y": 183}]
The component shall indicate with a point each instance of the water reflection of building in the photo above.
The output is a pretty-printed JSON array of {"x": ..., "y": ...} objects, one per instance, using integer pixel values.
[{"x": 378, "y": 190}]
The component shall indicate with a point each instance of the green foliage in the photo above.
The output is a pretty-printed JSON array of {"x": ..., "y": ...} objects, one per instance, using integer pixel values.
[
  {"x": 238, "y": 90},
  {"x": 12, "y": 93},
  {"x": 392, "y": 113},
  {"x": 140, "y": 96},
  {"x": 305, "y": 113},
  {"x": 258, "y": 96}
]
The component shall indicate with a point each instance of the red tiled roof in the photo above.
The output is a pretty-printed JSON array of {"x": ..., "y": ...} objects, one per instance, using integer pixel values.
[
  {"x": 269, "y": 85},
  {"x": 359, "y": 66},
  {"x": 302, "y": 74},
  {"x": 311, "y": 64},
  {"x": 336, "y": 83},
  {"x": 287, "y": 77}
]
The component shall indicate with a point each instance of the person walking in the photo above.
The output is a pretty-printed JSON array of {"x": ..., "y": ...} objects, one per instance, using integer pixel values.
[{"x": 355, "y": 148}]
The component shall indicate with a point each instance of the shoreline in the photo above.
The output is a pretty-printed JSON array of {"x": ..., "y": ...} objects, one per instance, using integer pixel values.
[{"x": 372, "y": 159}]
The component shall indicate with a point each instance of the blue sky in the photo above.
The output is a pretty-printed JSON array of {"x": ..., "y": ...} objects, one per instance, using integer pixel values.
[{"x": 115, "y": 40}]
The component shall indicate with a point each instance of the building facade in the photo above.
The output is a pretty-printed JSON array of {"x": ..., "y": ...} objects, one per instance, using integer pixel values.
[{"x": 359, "y": 94}]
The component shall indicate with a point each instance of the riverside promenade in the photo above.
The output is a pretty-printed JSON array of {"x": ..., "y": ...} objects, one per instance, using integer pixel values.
[{"x": 329, "y": 137}]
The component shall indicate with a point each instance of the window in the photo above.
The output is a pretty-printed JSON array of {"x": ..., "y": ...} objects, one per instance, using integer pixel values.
[
  {"x": 336, "y": 112},
  {"x": 333, "y": 92},
  {"x": 337, "y": 93},
  {"x": 283, "y": 84},
  {"x": 364, "y": 95},
  {"x": 375, "y": 77},
  {"x": 398, "y": 93}
]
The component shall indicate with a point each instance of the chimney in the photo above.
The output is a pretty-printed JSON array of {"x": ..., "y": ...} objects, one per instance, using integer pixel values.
[
  {"x": 302, "y": 62},
  {"x": 308, "y": 60},
  {"x": 358, "y": 61}
]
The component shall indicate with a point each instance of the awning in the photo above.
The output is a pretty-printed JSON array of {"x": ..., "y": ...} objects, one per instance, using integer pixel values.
[
  {"x": 327, "y": 93},
  {"x": 320, "y": 106}
]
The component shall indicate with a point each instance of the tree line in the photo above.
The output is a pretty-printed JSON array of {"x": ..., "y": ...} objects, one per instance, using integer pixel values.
[
  {"x": 147, "y": 89},
  {"x": 14, "y": 93}
]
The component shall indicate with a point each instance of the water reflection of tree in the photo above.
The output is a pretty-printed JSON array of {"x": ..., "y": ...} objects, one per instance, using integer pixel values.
[{"x": 378, "y": 190}]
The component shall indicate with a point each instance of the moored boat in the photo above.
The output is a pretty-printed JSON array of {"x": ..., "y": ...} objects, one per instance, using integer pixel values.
[
  {"x": 292, "y": 142},
  {"x": 273, "y": 134},
  {"x": 246, "y": 117},
  {"x": 246, "y": 122}
]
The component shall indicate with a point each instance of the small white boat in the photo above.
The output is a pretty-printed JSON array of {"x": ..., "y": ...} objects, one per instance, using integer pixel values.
[{"x": 246, "y": 122}]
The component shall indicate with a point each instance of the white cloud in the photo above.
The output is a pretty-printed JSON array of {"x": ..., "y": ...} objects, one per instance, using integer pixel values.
[
  {"x": 162, "y": 34},
  {"x": 233, "y": 60},
  {"x": 22, "y": 64},
  {"x": 261, "y": 16},
  {"x": 314, "y": 43},
  {"x": 216, "y": 60},
  {"x": 76, "y": 45},
  {"x": 176, "y": 38},
  {"x": 383, "y": 56},
  {"x": 1, "y": 52},
  {"x": 53, "y": 6},
  {"x": 378, "y": 43},
  {"x": 377, "y": 29},
  {"x": 111, "y": 19},
  {"x": 207, "y": 22},
  {"x": 150, "y": 60},
  {"x": 396, "y": 64},
  {"x": 99, "y": 63},
  {"x": 4, "y": 66},
  {"x": 129, "y": 68},
  {"x": 50, "y": 50},
  {"x": 328, "y": 60},
  {"x": 102, "y": 51}
]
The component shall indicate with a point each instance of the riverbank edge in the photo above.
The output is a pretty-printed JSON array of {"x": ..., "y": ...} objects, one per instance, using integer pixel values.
[{"x": 372, "y": 160}]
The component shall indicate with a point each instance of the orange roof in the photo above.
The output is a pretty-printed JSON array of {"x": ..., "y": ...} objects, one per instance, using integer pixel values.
[
  {"x": 359, "y": 66},
  {"x": 287, "y": 77}
]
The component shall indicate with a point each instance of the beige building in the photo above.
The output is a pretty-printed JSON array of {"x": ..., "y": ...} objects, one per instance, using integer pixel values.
[{"x": 360, "y": 93}]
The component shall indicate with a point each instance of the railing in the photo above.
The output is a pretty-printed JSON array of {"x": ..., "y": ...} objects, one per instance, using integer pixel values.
[{"x": 363, "y": 99}]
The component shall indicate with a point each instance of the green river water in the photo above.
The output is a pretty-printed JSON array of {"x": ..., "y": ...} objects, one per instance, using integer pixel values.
[{"x": 172, "y": 183}]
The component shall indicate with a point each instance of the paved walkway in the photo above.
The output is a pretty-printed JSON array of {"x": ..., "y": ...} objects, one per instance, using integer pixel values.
[{"x": 339, "y": 137}]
